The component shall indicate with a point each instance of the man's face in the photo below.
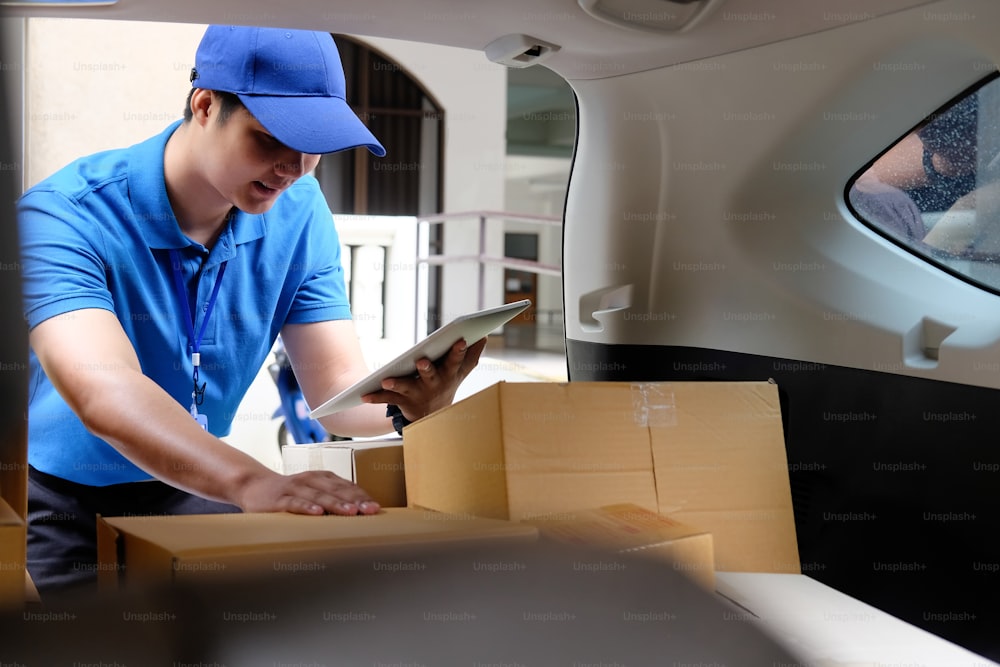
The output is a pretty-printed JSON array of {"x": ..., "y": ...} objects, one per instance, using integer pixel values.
[{"x": 247, "y": 165}]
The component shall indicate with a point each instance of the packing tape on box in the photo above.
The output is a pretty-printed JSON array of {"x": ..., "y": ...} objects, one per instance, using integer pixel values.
[{"x": 653, "y": 404}]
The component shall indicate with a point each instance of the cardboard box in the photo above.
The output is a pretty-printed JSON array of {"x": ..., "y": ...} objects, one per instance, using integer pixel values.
[
  {"x": 156, "y": 549},
  {"x": 708, "y": 454},
  {"x": 12, "y": 557},
  {"x": 15, "y": 587},
  {"x": 374, "y": 465},
  {"x": 630, "y": 529}
]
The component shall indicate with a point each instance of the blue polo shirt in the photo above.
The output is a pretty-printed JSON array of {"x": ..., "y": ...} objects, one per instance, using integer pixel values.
[{"x": 98, "y": 234}]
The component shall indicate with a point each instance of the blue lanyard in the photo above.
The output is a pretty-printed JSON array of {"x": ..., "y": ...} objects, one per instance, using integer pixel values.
[{"x": 198, "y": 394}]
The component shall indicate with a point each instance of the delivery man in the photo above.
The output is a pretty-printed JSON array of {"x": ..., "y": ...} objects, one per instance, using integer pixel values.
[{"x": 157, "y": 278}]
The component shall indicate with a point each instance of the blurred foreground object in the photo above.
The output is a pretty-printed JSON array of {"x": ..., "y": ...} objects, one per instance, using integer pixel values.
[{"x": 530, "y": 604}]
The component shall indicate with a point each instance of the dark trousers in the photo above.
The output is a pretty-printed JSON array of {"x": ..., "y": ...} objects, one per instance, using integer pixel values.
[{"x": 62, "y": 523}]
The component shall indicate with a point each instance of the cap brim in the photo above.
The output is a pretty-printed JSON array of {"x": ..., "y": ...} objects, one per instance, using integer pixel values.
[{"x": 313, "y": 125}]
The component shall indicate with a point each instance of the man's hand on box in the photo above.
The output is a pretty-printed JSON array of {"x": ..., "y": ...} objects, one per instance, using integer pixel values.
[
  {"x": 434, "y": 385},
  {"x": 310, "y": 492}
]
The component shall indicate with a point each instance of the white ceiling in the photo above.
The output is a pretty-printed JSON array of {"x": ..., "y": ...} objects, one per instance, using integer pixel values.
[{"x": 588, "y": 48}]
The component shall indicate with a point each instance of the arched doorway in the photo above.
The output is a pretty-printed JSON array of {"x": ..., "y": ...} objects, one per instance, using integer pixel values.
[{"x": 409, "y": 122}]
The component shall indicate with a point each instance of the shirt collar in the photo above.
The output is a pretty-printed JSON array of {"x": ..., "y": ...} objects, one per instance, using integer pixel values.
[{"x": 151, "y": 206}]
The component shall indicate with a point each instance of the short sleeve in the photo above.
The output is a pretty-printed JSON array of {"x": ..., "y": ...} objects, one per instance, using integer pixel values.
[
  {"x": 322, "y": 293},
  {"x": 62, "y": 255}
]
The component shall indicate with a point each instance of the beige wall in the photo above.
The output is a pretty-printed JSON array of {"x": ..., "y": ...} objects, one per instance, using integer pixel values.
[
  {"x": 93, "y": 85},
  {"x": 537, "y": 185}
]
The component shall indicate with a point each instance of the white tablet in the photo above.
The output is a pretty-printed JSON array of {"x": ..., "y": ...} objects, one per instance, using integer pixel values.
[{"x": 469, "y": 327}]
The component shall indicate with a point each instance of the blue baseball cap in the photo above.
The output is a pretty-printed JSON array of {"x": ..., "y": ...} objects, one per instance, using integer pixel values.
[{"x": 292, "y": 81}]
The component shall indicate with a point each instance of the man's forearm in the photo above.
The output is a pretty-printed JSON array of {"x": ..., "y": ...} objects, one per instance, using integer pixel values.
[{"x": 159, "y": 435}]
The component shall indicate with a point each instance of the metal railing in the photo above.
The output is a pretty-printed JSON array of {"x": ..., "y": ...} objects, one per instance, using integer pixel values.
[{"x": 482, "y": 219}]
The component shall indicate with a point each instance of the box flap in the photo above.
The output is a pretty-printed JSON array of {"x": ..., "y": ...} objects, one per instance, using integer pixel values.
[
  {"x": 628, "y": 528},
  {"x": 8, "y": 515},
  {"x": 625, "y": 526},
  {"x": 564, "y": 442},
  {"x": 720, "y": 464},
  {"x": 337, "y": 459},
  {"x": 147, "y": 559},
  {"x": 108, "y": 553},
  {"x": 452, "y": 458},
  {"x": 379, "y": 470}
]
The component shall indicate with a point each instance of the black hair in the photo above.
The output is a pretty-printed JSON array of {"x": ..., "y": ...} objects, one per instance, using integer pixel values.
[
  {"x": 953, "y": 129},
  {"x": 229, "y": 103}
]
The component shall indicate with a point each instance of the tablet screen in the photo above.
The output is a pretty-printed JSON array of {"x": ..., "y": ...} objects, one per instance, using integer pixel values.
[{"x": 469, "y": 327}]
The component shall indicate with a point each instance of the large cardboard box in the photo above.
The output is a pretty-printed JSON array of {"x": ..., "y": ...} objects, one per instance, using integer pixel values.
[
  {"x": 158, "y": 549},
  {"x": 374, "y": 465},
  {"x": 708, "y": 454},
  {"x": 630, "y": 529}
]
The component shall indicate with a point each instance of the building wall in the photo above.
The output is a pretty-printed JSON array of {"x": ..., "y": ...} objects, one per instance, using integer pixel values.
[
  {"x": 537, "y": 186},
  {"x": 94, "y": 85}
]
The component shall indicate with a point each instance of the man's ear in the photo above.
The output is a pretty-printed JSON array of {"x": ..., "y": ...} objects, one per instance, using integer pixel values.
[{"x": 202, "y": 105}]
